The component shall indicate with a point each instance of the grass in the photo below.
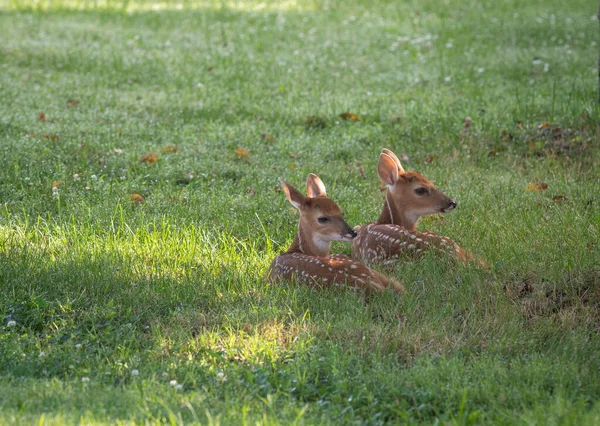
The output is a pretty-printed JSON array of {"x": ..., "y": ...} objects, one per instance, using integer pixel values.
[{"x": 117, "y": 311}]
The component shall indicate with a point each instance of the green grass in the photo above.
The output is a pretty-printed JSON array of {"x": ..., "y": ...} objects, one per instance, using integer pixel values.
[{"x": 99, "y": 286}]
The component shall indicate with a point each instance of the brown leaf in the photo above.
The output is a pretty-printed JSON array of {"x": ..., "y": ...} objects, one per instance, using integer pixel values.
[
  {"x": 292, "y": 166},
  {"x": 170, "y": 148},
  {"x": 53, "y": 138},
  {"x": 72, "y": 103},
  {"x": 467, "y": 124},
  {"x": 538, "y": 186},
  {"x": 559, "y": 199},
  {"x": 242, "y": 152},
  {"x": 544, "y": 125},
  {"x": 315, "y": 122},
  {"x": 293, "y": 155},
  {"x": 149, "y": 157},
  {"x": 42, "y": 116},
  {"x": 267, "y": 137},
  {"x": 430, "y": 159},
  {"x": 277, "y": 188},
  {"x": 350, "y": 116},
  {"x": 55, "y": 184},
  {"x": 137, "y": 198}
]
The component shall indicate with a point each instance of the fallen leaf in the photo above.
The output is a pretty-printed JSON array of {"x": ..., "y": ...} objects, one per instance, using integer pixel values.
[
  {"x": 53, "y": 138},
  {"x": 467, "y": 124},
  {"x": 42, "y": 116},
  {"x": 277, "y": 188},
  {"x": 559, "y": 198},
  {"x": 170, "y": 148},
  {"x": 506, "y": 136},
  {"x": 209, "y": 69},
  {"x": 544, "y": 125},
  {"x": 350, "y": 116},
  {"x": 149, "y": 157},
  {"x": 72, "y": 103},
  {"x": 538, "y": 186},
  {"x": 137, "y": 198},
  {"x": 430, "y": 159},
  {"x": 292, "y": 166},
  {"x": 242, "y": 152},
  {"x": 55, "y": 184},
  {"x": 267, "y": 137}
]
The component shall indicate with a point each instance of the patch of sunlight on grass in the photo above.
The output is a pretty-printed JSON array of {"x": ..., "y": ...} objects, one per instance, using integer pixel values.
[{"x": 153, "y": 5}]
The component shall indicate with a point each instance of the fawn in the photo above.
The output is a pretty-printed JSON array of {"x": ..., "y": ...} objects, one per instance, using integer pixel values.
[
  {"x": 308, "y": 260},
  {"x": 409, "y": 195}
]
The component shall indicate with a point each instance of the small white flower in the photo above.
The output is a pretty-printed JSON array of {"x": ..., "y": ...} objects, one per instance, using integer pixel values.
[
  {"x": 546, "y": 67},
  {"x": 200, "y": 86},
  {"x": 536, "y": 61},
  {"x": 78, "y": 346},
  {"x": 179, "y": 387},
  {"x": 11, "y": 323},
  {"x": 165, "y": 374},
  {"x": 173, "y": 383},
  {"x": 447, "y": 79},
  {"x": 480, "y": 70},
  {"x": 135, "y": 372},
  {"x": 85, "y": 379},
  {"x": 42, "y": 354},
  {"x": 94, "y": 177},
  {"x": 449, "y": 45},
  {"x": 76, "y": 177}
]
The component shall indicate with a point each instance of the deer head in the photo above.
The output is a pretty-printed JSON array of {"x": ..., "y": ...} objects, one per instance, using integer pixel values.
[
  {"x": 321, "y": 219},
  {"x": 409, "y": 194}
]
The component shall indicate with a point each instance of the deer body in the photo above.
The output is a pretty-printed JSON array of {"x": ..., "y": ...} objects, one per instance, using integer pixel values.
[
  {"x": 409, "y": 195},
  {"x": 308, "y": 260}
]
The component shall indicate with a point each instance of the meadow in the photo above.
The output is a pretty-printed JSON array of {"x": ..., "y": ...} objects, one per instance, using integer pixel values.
[{"x": 142, "y": 144}]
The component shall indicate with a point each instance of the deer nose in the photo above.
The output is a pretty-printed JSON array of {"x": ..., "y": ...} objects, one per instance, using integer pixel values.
[
  {"x": 452, "y": 205},
  {"x": 352, "y": 232}
]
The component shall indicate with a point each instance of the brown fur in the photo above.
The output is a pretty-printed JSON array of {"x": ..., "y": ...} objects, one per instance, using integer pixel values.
[{"x": 308, "y": 260}]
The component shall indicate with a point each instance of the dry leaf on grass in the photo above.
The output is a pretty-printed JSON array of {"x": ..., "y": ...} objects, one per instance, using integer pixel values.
[
  {"x": 55, "y": 184},
  {"x": 149, "y": 157},
  {"x": 137, "y": 198},
  {"x": 170, "y": 148},
  {"x": 538, "y": 186},
  {"x": 42, "y": 116},
  {"x": 350, "y": 116},
  {"x": 72, "y": 103},
  {"x": 242, "y": 152},
  {"x": 544, "y": 125},
  {"x": 267, "y": 137}
]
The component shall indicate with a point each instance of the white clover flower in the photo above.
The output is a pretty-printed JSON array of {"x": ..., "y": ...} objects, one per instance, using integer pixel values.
[
  {"x": 480, "y": 70},
  {"x": 447, "y": 79},
  {"x": 11, "y": 323},
  {"x": 42, "y": 354},
  {"x": 76, "y": 177},
  {"x": 135, "y": 372},
  {"x": 78, "y": 346},
  {"x": 85, "y": 379},
  {"x": 173, "y": 383},
  {"x": 449, "y": 45},
  {"x": 179, "y": 387},
  {"x": 94, "y": 177}
]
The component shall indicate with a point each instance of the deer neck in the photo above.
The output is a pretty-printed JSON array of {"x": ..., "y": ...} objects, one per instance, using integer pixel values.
[
  {"x": 394, "y": 213},
  {"x": 309, "y": 243}
]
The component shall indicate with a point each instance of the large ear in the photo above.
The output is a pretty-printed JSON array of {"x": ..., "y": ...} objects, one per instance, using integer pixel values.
[
  {"x": 393, "y": 157},
  {"x": 314, "y": 186},
  {"x": 387, "y": 169},
  {"x": 293, "y": 195}
]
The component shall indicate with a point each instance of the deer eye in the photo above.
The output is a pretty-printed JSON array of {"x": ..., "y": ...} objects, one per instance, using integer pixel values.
[
  {"x": 421, "y": 191},
  {"x": 323, "y": 220}
]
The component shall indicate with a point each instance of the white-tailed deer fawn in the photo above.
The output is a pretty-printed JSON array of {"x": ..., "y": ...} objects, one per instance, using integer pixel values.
[
  {"x": 409, "y": 195},
  {"x": 308, "y": 260}
]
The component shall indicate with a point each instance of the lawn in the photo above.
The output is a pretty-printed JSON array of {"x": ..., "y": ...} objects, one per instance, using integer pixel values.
[{"x": 142, "y": 144}]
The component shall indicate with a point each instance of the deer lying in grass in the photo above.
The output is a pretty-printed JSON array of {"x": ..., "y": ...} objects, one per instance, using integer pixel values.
[
  {"x": 409, "y": 195},
  {"x": 308, "y": 260}
]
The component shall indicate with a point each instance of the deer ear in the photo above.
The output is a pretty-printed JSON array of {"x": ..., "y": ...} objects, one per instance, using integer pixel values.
[
  {"x": 293, "y": 195},
  {"x": 314, "y": 186},
  {"x": 387, "y": 169},
  {"x": 393, "y": 157}
]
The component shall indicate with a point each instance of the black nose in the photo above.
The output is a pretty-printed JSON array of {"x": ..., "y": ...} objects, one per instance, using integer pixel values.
[
  {"x": 352, "y": 232},
  {"x": 452, "y": 204}
]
